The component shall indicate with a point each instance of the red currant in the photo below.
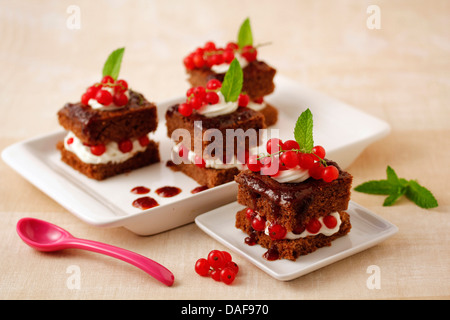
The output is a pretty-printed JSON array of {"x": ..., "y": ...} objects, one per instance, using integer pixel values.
[
  {"x": 69, "y": 141},
  {"x": 259, "y": 100},
  {"x": 330, "y": 173},
  {"x": 92, "y": 90},
  {"x": 144, "y": 141},
  {"x": 277, "y": 232},
  {"x": 196, "y": 102},
  {"x": 183, "y": 152},
  {"x": 313, "y": 226},
  {"x": 318, "y": 151},
  {"x": 120, "y": 99},
  {"x": 330, "y": 221},
  {"x": 121, "y": 86},
  {"x": 227, "y": 257},
  {"x": 290, "y": 144},
  {"x": 198, "y": 60},
  {"x": 213, "y": 84},
  {"x": 107, "y": 79},
  {"x": 289, "y": 159},
  {"x": 216, "y": 259},
  {"x": 228, "y": 56},
  {"x": 233, "y": 266},
  {"x": 85, "y": 98},
  {"x": 209, "y": 46},
  {"x": 243, "y": 100},
  {"x": 253, "y": 163},
  {"x": 212, "y": 97},
  {"x": 98, "y": 149},
  {"x": 249, "y": 53},
  {"x": 104, "y": 97},
  {"x": 305, "y": 160},
  {"x": 199, "y": 92},
  {"x": 125, "y": 146},
  {"x": 227, "y": 275},
  {"x": 202, "y": 267},
  {"x": 232, "y": 46},
  {"x": 274, "y": 145},
  {"x": 249, "y": 214},
  {"x": 316, "y": 171},
  {"x": 215, "y": 274},
  {"x": 189, "y": 63},
  {"x": 217, "y": 59},
  {"x": 185, "y": 109},
  {"x": 199, "y": 161},
  {"x": 258, "y": 223}
]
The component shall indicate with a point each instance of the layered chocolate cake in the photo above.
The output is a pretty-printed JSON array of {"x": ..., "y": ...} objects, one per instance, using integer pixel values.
[
  {"x": 212, "y": 62},
  {"x": 109, "y": 129},
  {"x": 213, "y": 130},
  {"x": 295, "y": 200}
]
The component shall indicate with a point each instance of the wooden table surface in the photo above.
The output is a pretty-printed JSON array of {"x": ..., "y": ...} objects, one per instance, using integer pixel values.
[{"x": 398, "y": 71}]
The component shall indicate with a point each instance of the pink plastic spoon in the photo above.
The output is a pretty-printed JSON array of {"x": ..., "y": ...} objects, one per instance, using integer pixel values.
[{"x": 44, "y": 236}]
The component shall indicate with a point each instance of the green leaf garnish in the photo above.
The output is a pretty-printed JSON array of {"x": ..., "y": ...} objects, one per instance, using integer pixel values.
[
  {"x": 303, "y": 131},
  {"x": 245, "y": 37},
  {"x": 396, "y": 187},
  {"x": 232, "y": 83},
  {"x": 112, "y": 64}
]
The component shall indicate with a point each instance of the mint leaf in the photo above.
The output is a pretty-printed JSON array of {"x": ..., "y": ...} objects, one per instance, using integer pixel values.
[
  {"x": 232, "y": 83},
  {"x": 112, "y": 64},
  {"x": 420, "y": 195},
  {"x": 396, "y": 187},
  {"x": 303, "y": 131},
  {"x": 245, "y": 37}
]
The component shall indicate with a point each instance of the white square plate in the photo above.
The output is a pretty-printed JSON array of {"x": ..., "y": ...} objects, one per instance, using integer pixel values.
[
  {"x": 343, "y": 130},
  {"x": 368, "y": 229}
]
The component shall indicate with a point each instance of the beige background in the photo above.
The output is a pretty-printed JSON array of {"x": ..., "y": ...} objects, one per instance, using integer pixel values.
[{"x": 399, "y": 73}]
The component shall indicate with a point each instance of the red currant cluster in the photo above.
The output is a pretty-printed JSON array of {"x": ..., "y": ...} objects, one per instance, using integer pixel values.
[
  {"x": 198, "y": 97},
  {"x": 219, "y": 265},
  {"x": 104, "y": 97},
  {"x": 276, "y": 231},
  {"x": 209, "y": 55},
  {"x": 124, "y": 146},
  {"x": 287, "y": 155}
]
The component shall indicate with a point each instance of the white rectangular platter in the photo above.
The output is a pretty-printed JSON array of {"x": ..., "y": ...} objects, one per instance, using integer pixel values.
[{"x": 343, "y": 130}]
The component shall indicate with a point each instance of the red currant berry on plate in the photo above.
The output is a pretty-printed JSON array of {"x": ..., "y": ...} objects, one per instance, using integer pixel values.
[
  {"x": 107, "y": 79},
  {"x": 121, "y": 86},
  {"x": 289, "y": 159},
  {"x": 274, "y": 145},
  {"x": 305, "y": 160},
  {"x": 85, "y": 98},
  {"x": 216, "y": 259},
  {"x": 104, "y": 97},
  {"x": 313, "y": 226},
  {"x": 290, "y": 144},
  {"x": 318, "y": 151},
  {"x": 202, "y": 267},
  {"x": 144, "y": 141},
  {"x": 227, "y": 256},
  {"x": 189, "y": 63},
  {"x": 233, "y": 266},
  {"x": 243, "y": 100},
  {"x": 330, "y": 173},
  {"x": 330, "y": 221},
  {"x": 277, "y": 232},
  {"x": 249, "y": 214},
  {"x": 125, "y": 146},
  {"x": 213, "y": 84},
  {"x": 258, "y": 223},
  {"x": 120, "y": 99},
  {"x": 253, "y": 163},
  {"x": 227, "y": 275},
  {"x": 199, "y": 161},
  {"x": 98, "y": 149},
  {"x": 185, "y": 109},
  {"x": 249, "y": 53},
  {"x": 211, "y": 97},
  {"x": 316, "y": 171}
]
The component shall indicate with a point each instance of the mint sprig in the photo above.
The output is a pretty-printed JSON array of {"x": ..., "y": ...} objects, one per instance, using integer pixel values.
[
  {"x": 232, "y": 83},
  {"x": 303, "y": 131},
  {"x": 245, "y": 36},
  {"x": 396, "y": 187},
  {"x": 113, "y": 63}
]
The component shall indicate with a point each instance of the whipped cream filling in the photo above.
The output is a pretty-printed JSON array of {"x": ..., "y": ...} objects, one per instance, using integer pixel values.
[
  {"x": 294, "y": 175},
  {"x": 112, "y": 153},
  {"x": 98, "y": 106},
  {"x": 214, "y": 163},
  {"x": 256, "y": 106},
  {"x": 323, "y": 230},
  {"x": 223, "y": 68},
  {"x": 220, "y": 108}
]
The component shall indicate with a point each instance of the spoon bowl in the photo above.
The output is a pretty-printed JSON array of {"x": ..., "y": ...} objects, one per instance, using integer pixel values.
[{"x": 47, "y": 237}]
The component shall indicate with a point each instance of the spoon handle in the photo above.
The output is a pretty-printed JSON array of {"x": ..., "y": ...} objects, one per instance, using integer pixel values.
[{"x": 153, "y": 268}]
